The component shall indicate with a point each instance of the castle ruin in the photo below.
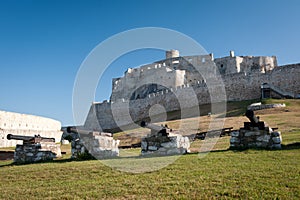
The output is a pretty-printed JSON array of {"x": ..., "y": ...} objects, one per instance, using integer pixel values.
[
  {"x": 244, "y": 78},
  {"x": 176, "y": 71}
]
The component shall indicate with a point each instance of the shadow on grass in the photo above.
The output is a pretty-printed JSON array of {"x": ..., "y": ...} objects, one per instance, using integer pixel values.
[
  {"x": 291, "y": 146},
  {"x": 284, "y": 147},
  {"x": 38, "y": 162},
  {"x": 295, "y": 145},
  {"x": 90, "y": 158}
]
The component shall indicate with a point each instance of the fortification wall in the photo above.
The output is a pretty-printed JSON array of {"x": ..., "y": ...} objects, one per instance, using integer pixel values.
[
  {"x": 246, "y": 64},
  {"x": 123, "y": 87},
  {"x": 286, "y": 77},
  {"x": 238, "y": 86},
  {"x": 26, "y": 125}
]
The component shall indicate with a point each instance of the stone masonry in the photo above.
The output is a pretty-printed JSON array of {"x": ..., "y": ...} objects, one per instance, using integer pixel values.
[
  {"x": 99, "y": 145},
  {"x": 163, "y": 141},
  {"x": 165, "y": 145},
  {"x": 255, "y": 134},
  {"x": 43, "y": 151},
  {"x": 267, "y": 139},
  {"x": 163, "y": 82}
]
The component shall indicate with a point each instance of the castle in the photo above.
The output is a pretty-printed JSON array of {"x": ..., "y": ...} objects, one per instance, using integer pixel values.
[
  {"x": 243, "y": 77},
  {"x": 176, "y": 71}
]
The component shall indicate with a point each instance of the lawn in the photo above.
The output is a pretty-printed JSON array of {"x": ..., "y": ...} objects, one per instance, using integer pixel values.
[{"x": 220, "y": 174}]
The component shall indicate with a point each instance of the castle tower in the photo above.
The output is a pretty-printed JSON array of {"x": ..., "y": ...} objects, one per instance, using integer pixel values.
[{"x": 172, "y": 54}]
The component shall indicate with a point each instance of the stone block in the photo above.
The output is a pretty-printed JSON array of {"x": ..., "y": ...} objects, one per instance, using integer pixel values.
[
  {"x": 276, "y": 146},
  {"x": 234, "y": 140},
  {"x": 276, "y": 134},
  {"x": 252, "y": 133},
  {"x": 143, "y": 145},
  {"x": 263, "y": 138},
  {"x": 276, "y": 140},
  {"x": 235, "y": 133},
  {"x": 29, "y": 154},
  {"x": 174, "y": 151},
  {"x": 152, "y": 148},
  {"x": 259, "y": 144}
]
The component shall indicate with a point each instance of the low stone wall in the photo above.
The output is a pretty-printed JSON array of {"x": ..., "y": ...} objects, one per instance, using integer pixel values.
[
  {"x": 43, "y": 151},
  {"x": 259, "y": 106},
  {"x": 99, "y": 145},
  {"x": 165, "y": 145},
  {"x": 267, "y": 139}
]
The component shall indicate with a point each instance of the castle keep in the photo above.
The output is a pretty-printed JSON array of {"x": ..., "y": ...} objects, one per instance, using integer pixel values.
[{"x": 244, "y": 78}]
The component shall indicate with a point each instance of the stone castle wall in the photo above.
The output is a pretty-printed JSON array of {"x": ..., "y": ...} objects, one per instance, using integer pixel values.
[
  {"x": 239, "y": 86},
  {"x": 175, "y": 71},
  {"x": 287, "y": 78}
]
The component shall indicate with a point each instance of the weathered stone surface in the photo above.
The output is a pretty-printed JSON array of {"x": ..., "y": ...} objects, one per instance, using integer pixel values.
[
  {"x": 36, "y": 152},
  {"x": 99, "y": 145},
  {"x": 263, "y": 138},
  {"x": 256, "y": 139},
  {"x": 235, "y": 133},
  {"x": 276, "y": 134},
  {"x": 242, "y": 78},
  {"x": 165, "y": 145},
  {"x": 276, "y": 140},
  {"x": 276, "y": 146}
]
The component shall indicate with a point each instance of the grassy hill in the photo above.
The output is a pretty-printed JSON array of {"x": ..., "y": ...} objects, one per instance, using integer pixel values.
[{"x": 220, "y": 174}]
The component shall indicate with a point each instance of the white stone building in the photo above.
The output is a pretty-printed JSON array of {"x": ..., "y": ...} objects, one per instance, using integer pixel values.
[{"x": 26, "y": 125}]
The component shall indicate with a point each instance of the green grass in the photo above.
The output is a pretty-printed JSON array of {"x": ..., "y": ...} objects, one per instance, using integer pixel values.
[
  {"x": 221, "y": 174},
  {"x": 251, "y": 174}
]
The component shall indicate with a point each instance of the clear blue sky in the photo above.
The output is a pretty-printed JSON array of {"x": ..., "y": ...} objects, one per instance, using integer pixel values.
[{"x": 43, "y": 43}]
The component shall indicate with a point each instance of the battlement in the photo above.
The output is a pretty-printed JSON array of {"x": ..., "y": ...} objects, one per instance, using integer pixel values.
[{"x": 175, "y": 71}]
